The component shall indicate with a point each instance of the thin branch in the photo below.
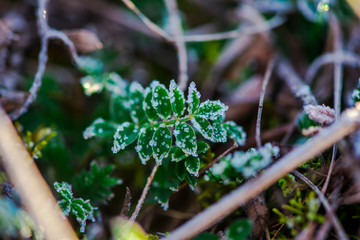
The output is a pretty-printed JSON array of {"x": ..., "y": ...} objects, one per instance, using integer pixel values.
[
  {"x": 348, "y": 122},
  {"x": 258, "y": 28},
  {"x": 338, "y": 76},
  {"x": 143, "y": 195},
  {"x": 265, "y": 82},
  {"x": 296, "y": 85},
  {"x": 175, "y": 23},
  {"x": 339, "y": 229},
  {"x": 46, "y": 33},
  {"x": 216, "y": 160},
  {"x": 148, "y": 23},
  {"x": 348, "y": 58},
  {"x": 30, "y": 185}
]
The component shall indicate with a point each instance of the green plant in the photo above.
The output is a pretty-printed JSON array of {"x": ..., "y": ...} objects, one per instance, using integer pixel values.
[
  {"x": 239, "y": 165},
  {"x": 302, "y": 212},
  {"x": 80, "y": 208},
  {"x": 37, "y": 140},
  {"x": 153, "y": 118},
  {"x": 238, "y": 230},
  {"x": 95, "y": 184}
]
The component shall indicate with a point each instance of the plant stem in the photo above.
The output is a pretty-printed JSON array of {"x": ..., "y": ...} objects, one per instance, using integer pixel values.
[
  {"x": 265, "y": 82},
  {"x": 339, "y": 229},
  {"x": 143, "y": 195},
  {"x": 348, "y": 122},
  {"x": 30, "y": 185}
]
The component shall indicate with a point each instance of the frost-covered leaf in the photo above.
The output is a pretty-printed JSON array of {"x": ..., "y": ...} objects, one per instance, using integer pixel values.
[
  {"x": 250, "y": 162},
  {"x": 120, "y": 109},
  {"x": 161, "y": 101},
  {"x": 91, "y": 84},
  {"x": 211, "y": 109},
  {"x": 204, "y": 127},
  {"x": 178, "y": 154},
  {"x": 239, "y": 230},
  {"x": 219, "y": 133},
  {"x": 149, "y": 110},
  {"x": 115, "y": 84},
  {"x": 186, "y": 138},
  {"x": 81, "y": 209},
  {"x": 177, "y": 99},
  {"x": 144, "y": 147},
  {"x": 125, "y": 134},
  {"x": 95, "y": 184},
  {"x": 136, "y": 103},
  {"x": 161, "y": 143},
  {"x": 320, "y": 113},
  {"x": 90, "y": 65},
  {"x": 235, "y": 132},
  {"x": 193, "y": 99},
  {"x": 101, "y": 128},
  {"x": 202, "y": 147},
  {"x": 192, "y": 165}
]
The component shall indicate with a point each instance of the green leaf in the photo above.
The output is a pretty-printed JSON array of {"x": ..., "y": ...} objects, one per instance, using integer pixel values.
[
  {"x": 91, "y": 84},
  {"x": 186, "y": 138},
  {"x": 82, "y": 209},
  {"x": 100, "y": 128},
  {"x": 202, "y": 147},
  {"x": 161, "y": 143},
  {"x": 192, "y": 165},
  {"x": 206, "y": 236},
  {"x": 136, "y": 103},
  {"x": 122, "y": 230},
  {"x": 119, "y": 110},
  {"x": 211, "y": 109},
  {"x": 239, "y": 230},
  {"x": 235, "y": 132},
  {"x": 180, "y": 171},
  {"x": 161, "y": 101},
  {"x": 90, "y": 65},
  {"x": 115, "y": 84},
  {"x": 95, "y": 184},
  {"x": 177, "y": 99},
  {"x": 178, "y": 155},
  {"x": 193, "y": 99},
  {"x": 204, "y": 127},
  {"x": 125, "y": 134},
  {"x": 144, "y": 147},
  {"x": 219, "y": 134},
  {"x": 191, "y": 180},
  {"x": 149, "y": 110}
]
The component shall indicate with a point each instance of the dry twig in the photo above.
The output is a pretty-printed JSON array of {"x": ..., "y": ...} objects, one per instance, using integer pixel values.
[
  {"x": 348, "y": 122},
  {"x": 143, "y": 195},
  {"x": 29, "y": 184},
  {"x": 46, "y": 33},
  {"x": 265, "y": 82},
  {"x": 179, "y": 42}
]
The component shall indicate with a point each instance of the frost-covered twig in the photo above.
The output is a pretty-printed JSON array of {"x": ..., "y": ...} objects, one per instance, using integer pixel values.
[
  {"x": 265, "y": 82},
  {"x": 143, "y": 195},
  {"x": 348, "y": 122},
  {"x": 30, "y": 185},
  {"x": 296, "y": 85},
  {"x": 258, "y": 28},
  {"x": 175, "y": 23},
  {"x": 339, "y": 229},
  {"x": 348, "y": 58},
  {"x": 46, "y": 33},
  {"x": 148, "y": 23}
]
